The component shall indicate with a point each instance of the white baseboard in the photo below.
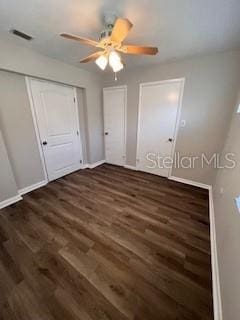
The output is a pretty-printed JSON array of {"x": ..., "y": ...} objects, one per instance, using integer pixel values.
[
  {"x": 217, "y": 303},
  {"x": 190, "y": 182},
  {"x": 127, "y": 166},
  {"x": 95, "y": 164},
  {"x": 10, "y": 201},
  {"x": 32, "y": 187},
  {"x": 85, "y": 166}
]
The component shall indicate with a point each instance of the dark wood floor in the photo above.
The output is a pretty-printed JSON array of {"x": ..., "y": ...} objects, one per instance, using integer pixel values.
[{"x": 107, "y": 243}]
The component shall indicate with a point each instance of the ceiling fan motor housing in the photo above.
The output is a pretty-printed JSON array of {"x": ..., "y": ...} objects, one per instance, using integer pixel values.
[
  {"x": 108, "y": 20},
  {"x": 106, "y": 33}
]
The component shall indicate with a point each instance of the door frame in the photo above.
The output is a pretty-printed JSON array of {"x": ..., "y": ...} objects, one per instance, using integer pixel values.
[
  {"x": 125, "y": 120},
  {"x": 28, "y": 80},
  {"x": 176, "y": 126}
]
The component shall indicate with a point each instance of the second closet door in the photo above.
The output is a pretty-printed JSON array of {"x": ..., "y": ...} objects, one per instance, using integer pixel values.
[
  {"x": 158, "y": 110},
  {"x": 114, "y": 124}
]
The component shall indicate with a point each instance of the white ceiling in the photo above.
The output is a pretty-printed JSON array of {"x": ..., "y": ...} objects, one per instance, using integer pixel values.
[{"x": 180, "y": 28}]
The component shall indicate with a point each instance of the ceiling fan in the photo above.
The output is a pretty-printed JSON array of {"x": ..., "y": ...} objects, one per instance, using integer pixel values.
[{"x": 110, "y": 44}]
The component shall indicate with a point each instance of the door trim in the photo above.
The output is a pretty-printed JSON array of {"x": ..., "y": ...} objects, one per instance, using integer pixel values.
[
  {"x": 125, "y": 120},
  {"x": 35, "y": 122},
  {"x": 176, "y": 127}
]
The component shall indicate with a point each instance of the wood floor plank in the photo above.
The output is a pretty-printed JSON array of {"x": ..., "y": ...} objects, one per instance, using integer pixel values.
[{"x": 107, "y": 244}]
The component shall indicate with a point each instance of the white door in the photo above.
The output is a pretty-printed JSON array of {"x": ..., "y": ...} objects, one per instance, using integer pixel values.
[
  {"x": 114, "y": 124},
  {"x": 58, "y": 126},
  {"x": 158, "y": 113}
]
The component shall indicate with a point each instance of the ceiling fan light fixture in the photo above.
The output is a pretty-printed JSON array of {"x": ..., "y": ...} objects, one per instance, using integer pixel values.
[
  {"x": 102, "y": 62},
  {"x": 115, "y": 61},
  {"x": 111, "y": 40},
  {"x": 118, "y": 67}
]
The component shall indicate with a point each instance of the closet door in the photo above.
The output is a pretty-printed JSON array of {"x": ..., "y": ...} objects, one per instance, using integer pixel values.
[
  {"x": 57, "y": 120},
  {"x": 158, "y": 110},
  {"x": 114, "y": 124}
]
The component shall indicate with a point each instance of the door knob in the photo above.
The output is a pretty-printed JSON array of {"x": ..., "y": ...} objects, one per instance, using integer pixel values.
[
  {"x": 44, "y": 143},
  {"x": 106, "y": 133},
  {"x": 170, "y": 140}
]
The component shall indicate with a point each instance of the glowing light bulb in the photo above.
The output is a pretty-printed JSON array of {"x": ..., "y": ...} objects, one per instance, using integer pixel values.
[
  {"x": 101, "y": 62},
  {"x": 115, "y": 61},
  {"x": 118, "y": 67}
]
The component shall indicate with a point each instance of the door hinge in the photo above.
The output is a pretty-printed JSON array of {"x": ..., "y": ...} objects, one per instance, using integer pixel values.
[
  {"x": 77, "y": 133},
  {"x": 74, "y": 99},
  {"x": 80, "y": 161}
]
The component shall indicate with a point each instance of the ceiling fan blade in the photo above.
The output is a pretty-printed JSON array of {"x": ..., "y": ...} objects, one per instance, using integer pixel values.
[
  {"x": 139, "y": 50},
  {"x": 79, "y": 39},
  {"x": 92, "y": 56},
  {"x": 120, "y": 30}
]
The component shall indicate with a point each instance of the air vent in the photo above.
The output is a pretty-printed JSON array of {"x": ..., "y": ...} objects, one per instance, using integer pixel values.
[{"x": 21, "y": 34}]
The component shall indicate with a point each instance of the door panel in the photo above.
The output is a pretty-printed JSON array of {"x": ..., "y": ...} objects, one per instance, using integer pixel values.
[
  {"x": 158, "y": 110},
  {"x": 114, "y": 124},
  {"x": 56, "y": 103},
  {"x": 58, "y": 126}
]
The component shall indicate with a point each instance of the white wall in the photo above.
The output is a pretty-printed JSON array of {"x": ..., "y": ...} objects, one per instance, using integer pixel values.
[
  {"x": 18, "y": 130},
  {"x": 211, "y": 84},
  {"x": 227, "y": 219},
  {"x": 8, "y": 187}
]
